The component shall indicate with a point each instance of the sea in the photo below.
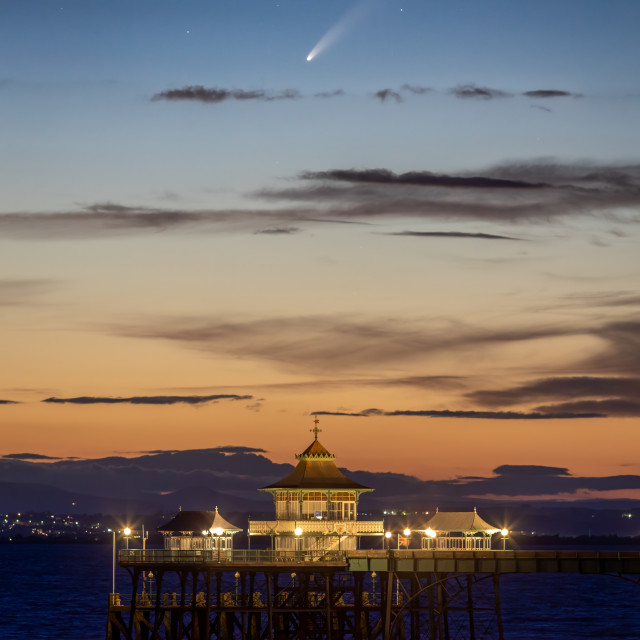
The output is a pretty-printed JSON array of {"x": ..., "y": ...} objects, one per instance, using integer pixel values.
[{"x": 61, "y": 591}]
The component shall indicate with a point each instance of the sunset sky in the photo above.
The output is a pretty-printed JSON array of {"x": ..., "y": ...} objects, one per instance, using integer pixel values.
[{"x": 428, "y": 234}]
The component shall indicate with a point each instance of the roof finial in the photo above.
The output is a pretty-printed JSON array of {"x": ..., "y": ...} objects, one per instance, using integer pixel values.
[
  {"x": 216, "y": 508},
  {"x": 315, "y": 429}
]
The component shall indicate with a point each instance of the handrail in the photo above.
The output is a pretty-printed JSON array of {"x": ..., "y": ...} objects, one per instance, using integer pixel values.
[{"x": 227, "y": 556}]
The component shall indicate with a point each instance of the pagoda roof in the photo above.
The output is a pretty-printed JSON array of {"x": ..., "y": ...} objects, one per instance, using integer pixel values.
[
  {"x": 198, "y": 521},
  {"x": 316, "y": 469},
  {"x": 463, "y": 521}
]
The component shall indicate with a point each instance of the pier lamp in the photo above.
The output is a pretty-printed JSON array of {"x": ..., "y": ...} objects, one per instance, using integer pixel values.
[
  {"x": 504, "y": 533},
  {"x": 127, "y": 533},
  {"x": 406, "y": 533},
  {"x": 387, "y": 535},
  {"x": 431, "y": 534},
  {"x": 298, "y": 533}
]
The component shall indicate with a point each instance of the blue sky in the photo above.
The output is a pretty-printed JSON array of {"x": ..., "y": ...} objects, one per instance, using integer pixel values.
[{"x": 433, "y": 222}]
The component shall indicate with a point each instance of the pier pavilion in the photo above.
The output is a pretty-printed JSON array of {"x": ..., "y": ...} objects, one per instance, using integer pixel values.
[
  {"x": 198, "y": 530},
  {"x": 316, "y": 506}
]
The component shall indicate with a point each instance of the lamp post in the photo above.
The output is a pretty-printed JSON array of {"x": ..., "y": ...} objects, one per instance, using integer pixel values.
[
  {"x": 431, "y": 535},
  {"x": 373, "y": 587},
  {"x": 504, "y": 533},
  {"x": 237, "y": 577},
  {"x": 219, "y": 531},
  {"x": 151, "y": 586},
  {"x": 387, "y": 537},
  {"x": 127, "y": 533},
  {"x": 298, "y": 532},
  {"x": 113, "y": 579}
]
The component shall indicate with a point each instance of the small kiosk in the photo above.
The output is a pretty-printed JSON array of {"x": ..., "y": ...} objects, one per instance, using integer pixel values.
[
  {"x": 457, "y": 531},
  {"x": 198, "y": 530}
]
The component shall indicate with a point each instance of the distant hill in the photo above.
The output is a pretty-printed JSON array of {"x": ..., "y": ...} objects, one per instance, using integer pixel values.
[{"x": 230, "y": 477}]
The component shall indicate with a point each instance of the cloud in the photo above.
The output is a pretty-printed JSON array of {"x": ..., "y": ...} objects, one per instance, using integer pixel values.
[
  {"x": 545, "y": 191},
  {"x": 215, "y": 95},
  {"x": 530, "y": 470},
  {"x": 229, "y": 449},
  {"x": 416, "y": 89},
  {"x": 482, "y": 93},
  {"x": 384, "y": 94},
  {"x": 418, "y": 178},
  {"x": 451, "y": 234},
  {"x": 15, "y": 292},
  {"x": 329, "y": 94},
  {"x": 152, "y": 400},
  {"x": 324, "y": 343},
  {"x": 360, "y": 414},
  {"x": 550, "y": 93},
  {"x": 29, "y": 456},
  {"x": 610, "y": 407},
  {"x": 482, "y": 415},
  {"x": 278, "y": 231},
  {"x": 558, "y": 388},
  {"x": 8, "y": 402},
  {"x": 517, "y": 192}
]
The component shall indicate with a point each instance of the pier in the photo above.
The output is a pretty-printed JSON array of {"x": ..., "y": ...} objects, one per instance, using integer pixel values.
[
  {"x": 337, "y": 595},
  {"x": 317, "y": 582}
]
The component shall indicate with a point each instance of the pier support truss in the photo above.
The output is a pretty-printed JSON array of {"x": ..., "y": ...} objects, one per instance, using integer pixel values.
[{"x": 303, "y": 602}]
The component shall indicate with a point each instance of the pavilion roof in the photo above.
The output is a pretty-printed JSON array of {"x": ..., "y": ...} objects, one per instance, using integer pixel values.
[
  {"x": 463, "y": 521},
  {"x": 316, "y": 469},
  {"x": 198, "y": 521}
]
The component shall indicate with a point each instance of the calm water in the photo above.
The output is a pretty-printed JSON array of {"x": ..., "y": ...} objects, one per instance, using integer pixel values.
[{"x": 51, "y": 591}]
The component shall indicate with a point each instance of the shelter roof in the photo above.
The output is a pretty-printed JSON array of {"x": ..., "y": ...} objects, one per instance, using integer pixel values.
[
  {"x": 464, "y": 521},
  {"x": 198, "y": 521}
]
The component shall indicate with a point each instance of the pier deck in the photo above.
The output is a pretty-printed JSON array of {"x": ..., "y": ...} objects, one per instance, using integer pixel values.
[{"x": 411, "y": 560}]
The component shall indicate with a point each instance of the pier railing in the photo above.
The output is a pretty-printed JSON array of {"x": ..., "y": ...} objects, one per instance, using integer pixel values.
[
  {"x": 227, "y": 556},
  {"x": 318, "y": 527}
]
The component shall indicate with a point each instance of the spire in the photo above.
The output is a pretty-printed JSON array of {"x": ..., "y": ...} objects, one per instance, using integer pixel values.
[{"x": 315, "y": 429}]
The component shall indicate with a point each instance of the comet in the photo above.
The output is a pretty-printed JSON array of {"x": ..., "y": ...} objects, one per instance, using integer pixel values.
[{"x": 340, "y": 28}]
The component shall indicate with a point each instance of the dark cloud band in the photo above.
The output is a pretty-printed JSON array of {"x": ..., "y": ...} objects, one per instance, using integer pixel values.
[{"x": 149, "y": 400}]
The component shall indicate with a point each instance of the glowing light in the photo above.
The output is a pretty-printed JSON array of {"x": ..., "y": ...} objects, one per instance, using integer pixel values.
[
  {"x": 298, "y": 531},
  {"x": 407, "y": 532},
  {"x": 127, "y": 531},
  {"x": 387, "y": 534},
  {"x": 430, "y": 532},
  {"x": 217, "y": 531},
  {"x": 204, "y": 533},
  {"x": 504, "y": 533}
]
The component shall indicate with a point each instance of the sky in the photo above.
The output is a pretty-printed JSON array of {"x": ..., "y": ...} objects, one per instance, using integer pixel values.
[{"x": 426, "y": 234}]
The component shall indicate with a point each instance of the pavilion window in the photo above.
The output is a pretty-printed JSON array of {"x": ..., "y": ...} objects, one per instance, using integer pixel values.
[
  {"x": 287, "y": 505},
  {"x": 314, "y": 504},
  {"x": 343, "y": 505}
]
